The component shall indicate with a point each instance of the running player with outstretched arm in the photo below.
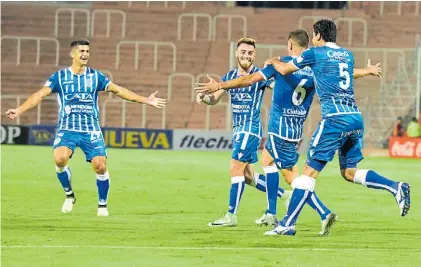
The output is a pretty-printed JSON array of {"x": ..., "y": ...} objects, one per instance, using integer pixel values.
[
  {"x": 291, "y": 100},
  {"x": 247, "y": 128},
  {"x": 341, "y": 128},
  {"x": 77, "y": 89}
]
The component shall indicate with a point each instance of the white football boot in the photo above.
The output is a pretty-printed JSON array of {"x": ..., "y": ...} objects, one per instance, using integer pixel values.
[
  {"x": 102, "y": 211},
  {"x": 403, "y": 198},
  {"x": 328, "y": 223},
  {"x": 267, "y": 219},
  {"x": 229, "y": 220},
  {"x": 68, "y": 204}
]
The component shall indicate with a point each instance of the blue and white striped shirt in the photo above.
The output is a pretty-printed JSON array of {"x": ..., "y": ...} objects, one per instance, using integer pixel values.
[
  {"x": 333, "y": 68},
  {"x": 291, "y": 100},
  {"x": 77, "y": 96},
  {"x": 245, "y": 104}
]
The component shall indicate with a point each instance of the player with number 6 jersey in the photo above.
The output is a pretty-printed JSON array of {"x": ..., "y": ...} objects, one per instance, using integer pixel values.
[
  {"x": 77, "y": 89},
  {"x": 341, "y": 128}
]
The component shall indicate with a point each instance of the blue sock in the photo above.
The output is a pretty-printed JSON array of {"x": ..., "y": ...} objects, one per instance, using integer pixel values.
[
  {"x": 272, "y": 183},
  {"x": 103, "y": 184},
  {"x": 64, "y": 176},
  {"x": 303, "y": 187},
  {"x": 260, "y": 181},
  {"x": 374, "y": 180},
  {"x": 236, "y": 191},
  {"x": 318, "y": 205}
]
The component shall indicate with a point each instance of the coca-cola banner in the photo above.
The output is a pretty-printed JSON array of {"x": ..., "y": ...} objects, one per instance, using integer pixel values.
[{"x": 405, "y": 147}]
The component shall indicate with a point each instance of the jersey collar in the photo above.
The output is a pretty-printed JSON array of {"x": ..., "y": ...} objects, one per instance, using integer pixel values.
[{"x": 332, "y": 45}]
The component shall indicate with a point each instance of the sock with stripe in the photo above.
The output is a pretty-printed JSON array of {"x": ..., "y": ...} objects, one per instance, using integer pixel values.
[
  {"x": 374, "y": 180},
  {"x": 64, "y": 176},
  {"x": 259, "y": 181},
  {"x": 236, "y": 191},
  {"x": 272, "y": 183},
  {"x": 319, "y": 206},
  {"x": 303, "y": 189},
  {"x": 103, "y": 184}
]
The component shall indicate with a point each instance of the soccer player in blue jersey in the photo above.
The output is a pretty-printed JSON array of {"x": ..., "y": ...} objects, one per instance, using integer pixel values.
[
  {"x": 247, "y": 129},
  {"x": 291, "y": 100},
  {"x": 77, "y": 89},
  {"x": 341, "y": 128}
]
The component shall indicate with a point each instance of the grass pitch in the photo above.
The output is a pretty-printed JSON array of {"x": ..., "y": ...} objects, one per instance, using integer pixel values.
[{"x": 161, "y": 201}]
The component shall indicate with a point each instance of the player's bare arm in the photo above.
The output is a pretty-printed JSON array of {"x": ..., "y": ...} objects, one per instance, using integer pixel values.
[
  {"x": 281, "y": 67},
  {"x": 32, "y": 101},
  {"x": 126, "y": 94},
  {"x": 213, "y": 86},
  {"x": 369, "y": 70},
  {"x": 210, "y": 99}
]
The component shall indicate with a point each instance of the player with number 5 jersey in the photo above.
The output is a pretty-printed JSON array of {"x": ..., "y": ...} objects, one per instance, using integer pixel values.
[
  {"x": 341, "y": 128},
  {"x": 77, "y": 89}
]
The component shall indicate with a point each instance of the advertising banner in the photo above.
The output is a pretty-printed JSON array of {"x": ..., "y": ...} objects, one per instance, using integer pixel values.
[
  {"x": 215, "y": 140},
  {"x": 138, "y": 138},
  {"x": 405, "y": 147},
  {"x": 113, "y": 137},
  {"x": 14, "y": 134},
  {"x": 42, "y": 135}
]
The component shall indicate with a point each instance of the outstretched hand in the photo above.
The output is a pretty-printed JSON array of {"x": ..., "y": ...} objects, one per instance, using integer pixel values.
[
  {"x": 374, "y": 70},
  {"x": 206, "y": 88},
  {"x": 12, "y": 113},
  {"x": 155, "y": 101}
]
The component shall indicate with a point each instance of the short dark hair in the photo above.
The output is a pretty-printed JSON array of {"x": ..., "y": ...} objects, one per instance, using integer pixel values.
[
  {"x": 300, "y": 36},
  {"x": 246, "y": 40},
  {"x": 79, "y": 42},
  {"x": 414, "y": 119},
  {"x": 327, "y": 30}
]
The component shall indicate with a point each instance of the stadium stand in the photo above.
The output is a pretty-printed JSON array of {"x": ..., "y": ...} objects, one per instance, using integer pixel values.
[{"x": 202, "y": 47}]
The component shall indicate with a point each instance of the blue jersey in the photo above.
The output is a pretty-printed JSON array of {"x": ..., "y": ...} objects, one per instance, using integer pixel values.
[
  {"x": 245, "y": 104},
  {"x": 333, "y": 68},
  {"x": 77, "y": 96},
  {"x": 291, "y": 100}
]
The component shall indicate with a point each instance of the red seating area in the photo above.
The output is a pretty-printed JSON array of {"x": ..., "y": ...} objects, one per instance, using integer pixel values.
[{"x": 159, "y": 24}]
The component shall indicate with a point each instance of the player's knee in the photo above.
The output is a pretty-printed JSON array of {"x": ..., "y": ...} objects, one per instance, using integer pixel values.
[
  {"x": 100, "y": 167},
  {"x": 348, "y": 174},
  {"x": 61, "y": 160},
  {"x": 236, "y": 169}
]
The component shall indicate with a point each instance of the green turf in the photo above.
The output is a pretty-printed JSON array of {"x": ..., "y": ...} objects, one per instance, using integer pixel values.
[{"x": 161, "y": 201}]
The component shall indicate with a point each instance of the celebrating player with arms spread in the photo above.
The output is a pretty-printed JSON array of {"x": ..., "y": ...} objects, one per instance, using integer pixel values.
[
  {"x": 247, "y": 129},
  {"x": 77, "y": 89},
  {"x": 341, "y": 128},
  {"x": 291, "y": 100}
]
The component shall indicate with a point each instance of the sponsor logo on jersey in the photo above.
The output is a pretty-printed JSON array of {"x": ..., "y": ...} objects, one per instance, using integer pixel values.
[
  {"x": 241, "y": 97},
  {"x": 81, "y": 97}
]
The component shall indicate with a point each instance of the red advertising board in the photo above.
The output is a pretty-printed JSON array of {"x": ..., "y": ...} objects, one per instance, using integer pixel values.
[{"x": 404, "y": 147}]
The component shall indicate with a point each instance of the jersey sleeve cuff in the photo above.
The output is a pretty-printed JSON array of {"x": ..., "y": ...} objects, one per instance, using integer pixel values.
[
  {"x": 292, "y": 62},
  {"x": 264, "y": 76}
]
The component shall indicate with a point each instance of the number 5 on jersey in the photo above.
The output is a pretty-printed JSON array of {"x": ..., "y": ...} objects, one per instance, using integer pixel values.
[{"x": 344, "y": 74}]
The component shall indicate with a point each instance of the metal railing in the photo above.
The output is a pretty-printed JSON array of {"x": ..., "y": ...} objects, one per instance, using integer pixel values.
[
  {"x": 165, "y": 4},
  {"x": 170, "y": 83},
  {"x": 33, "y": 38},
  {"x": 136, "y": 56},
  {"x": 18, "y": 99},
  {"x": 399, "y": 7},
  {"x": 230, "y": 17},
  {"x": 124, "y": 112},
  {"x": 350, "y": 33},
  {"x": 312, "y": 18},
  {"x": 108, "y": 12},
  {"x": 72, "y": 19},
  {"x": 195, "y": 16}
]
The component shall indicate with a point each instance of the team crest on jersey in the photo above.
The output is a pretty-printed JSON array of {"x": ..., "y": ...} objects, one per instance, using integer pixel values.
[
  {"x": 241, "y": 97},
  {"x": 89, "y": 82}
]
